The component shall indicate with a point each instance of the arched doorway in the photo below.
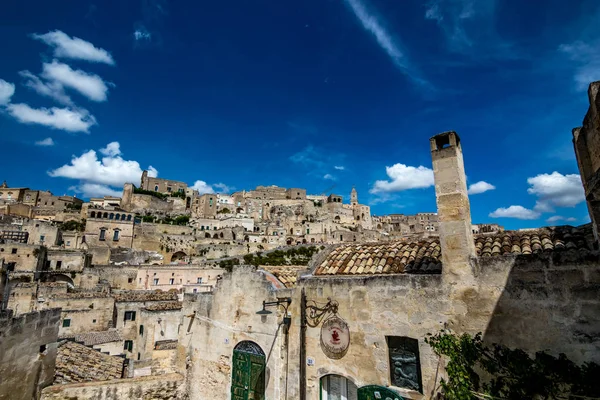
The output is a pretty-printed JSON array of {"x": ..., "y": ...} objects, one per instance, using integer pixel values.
[
  {"x": 334, "y": 387},
  {"x": 248, "y": 373}
]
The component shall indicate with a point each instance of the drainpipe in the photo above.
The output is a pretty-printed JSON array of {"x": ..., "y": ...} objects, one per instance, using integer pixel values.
[{"x": 303, "y": 346}]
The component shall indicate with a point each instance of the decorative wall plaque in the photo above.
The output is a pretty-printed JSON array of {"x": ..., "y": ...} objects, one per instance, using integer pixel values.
[{"x": 335, "y": 337}]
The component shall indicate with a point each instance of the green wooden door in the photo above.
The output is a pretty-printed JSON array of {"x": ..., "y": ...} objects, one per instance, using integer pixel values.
[
  {"x": 374, "y": 392},
  {"x": 248, "y": 373}
]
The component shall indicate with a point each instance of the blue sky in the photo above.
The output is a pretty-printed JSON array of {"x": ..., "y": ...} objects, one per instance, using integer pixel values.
[{"x": 229, "y": 95}]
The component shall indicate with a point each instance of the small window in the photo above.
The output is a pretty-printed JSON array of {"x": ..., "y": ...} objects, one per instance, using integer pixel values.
[
  {"x": 139, "y": 356},
  {"x": 116, "y": 236},
  {"x": 13, "y": 251},
  {"x": 68, "y": 242},
  {"x": 129, "y": 315},
  {"x": 156, "y": 281},
  {"x": 199, "y": 280},
  {"x": 129, "y": 280},
  {"x": 156, "y": 188},
  {"x": 128, "y": 345},
  {"x": 42, "y": 348},
  {"x": 66, "y": 323},
  {"x": 93, "y": 321},
  {"x": 195, "y": 290},
  {"x": 102, "y": 234},
  {"x": 42, "y": 237},
  {"x": 169, "y": 189},
  {"x": 141, "y": 330},
  {"x": 171, "y": 281},
  {"x": 405, "y": 365},
  {"x": 58, "y": 264}
]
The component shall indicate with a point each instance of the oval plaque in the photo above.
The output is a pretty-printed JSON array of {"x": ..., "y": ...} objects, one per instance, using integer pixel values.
[{"x": 335, "y": 337}]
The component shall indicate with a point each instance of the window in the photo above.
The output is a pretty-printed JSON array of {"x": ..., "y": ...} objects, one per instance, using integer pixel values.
[
  {"x": 68, "y": 242},
  {"x": 156, "y": 281},
  {"x": 195, "y": 291},
  {"x": 129, "y": 280},
  {"x": 42, "y": 237},
  {"x": 128, "y": 345},
  {"x": 102, "y": 234},
  {"x": 336, "y": 387},
  {"x": 169, "y": 189},
  {"x": 405, "y": 365},
  {"x": 93, "y": 321},
  {"x": 129, "y": 315},
  {"x": 171, "y": 281},
  {"x": 13, "y": 251},
  {"x": 141, "y": 330},
  {"x": 58, "y": 264},
  {"x": 156, "y": 188},
  {"x": 66, "y": 323},
  {"x": 116, "y": 236},
  {"x": 111, "y": 216},
  {"x": 199, "y": 280}
]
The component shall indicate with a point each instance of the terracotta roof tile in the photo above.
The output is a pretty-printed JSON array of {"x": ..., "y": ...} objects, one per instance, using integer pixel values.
[
  {"x": 144, "y": 295},
  {"x": 164, "y": 306},
  {"x": 76, "y": 362},
  {"x": 287, "y": 275},
  {"x": 94, "y": 338},
  {"x": 424, "y": 257}
]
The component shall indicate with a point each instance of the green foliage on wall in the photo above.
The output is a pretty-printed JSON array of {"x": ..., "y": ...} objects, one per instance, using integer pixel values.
[
  {"x": 73, "y": 226},
  {"x": 480, "y": 371},
  {"x": 150, "y": 193},
  {"x": 294, "y": 256}
]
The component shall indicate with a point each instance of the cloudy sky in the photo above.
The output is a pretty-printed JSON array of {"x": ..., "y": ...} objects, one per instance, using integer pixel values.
[{"x": 322, "y": 94}]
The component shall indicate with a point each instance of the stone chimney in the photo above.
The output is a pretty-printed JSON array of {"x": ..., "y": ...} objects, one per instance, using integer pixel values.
[
  {"x": 586, "y": 141},
  {"x": 454, "y": 211}
]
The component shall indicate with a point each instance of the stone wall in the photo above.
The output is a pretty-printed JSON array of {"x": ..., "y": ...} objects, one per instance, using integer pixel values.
[
  {"x": 163, "y": 387},
  {"x": 27, "y": 353}
]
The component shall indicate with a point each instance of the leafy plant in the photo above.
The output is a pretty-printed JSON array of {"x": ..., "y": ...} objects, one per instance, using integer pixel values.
[
  {"x": 480, "y": 371},
  {"x": 150, "y": 193},
  {"x": 73, "y": 226}
]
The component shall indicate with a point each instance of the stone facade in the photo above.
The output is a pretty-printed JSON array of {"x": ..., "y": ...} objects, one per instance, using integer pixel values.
[{"x": 27, "y": 353}]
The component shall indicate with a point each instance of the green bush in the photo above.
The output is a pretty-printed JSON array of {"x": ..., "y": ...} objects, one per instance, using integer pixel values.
[
  {"x": 73, "y": 226},
  {"x": 477, "y": 370},
  {"x": 150, "y": 193}
]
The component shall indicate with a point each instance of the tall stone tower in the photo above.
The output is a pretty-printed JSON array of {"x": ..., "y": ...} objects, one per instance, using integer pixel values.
[
  {"x": 144, "y": 180},
  {"x": 454, "y": 211},
  {"x": 353, "y": 196}
]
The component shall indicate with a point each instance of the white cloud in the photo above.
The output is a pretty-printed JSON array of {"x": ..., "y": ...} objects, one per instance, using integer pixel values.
[
  {"x": 96, "y": 190},
  {"x": 329, "y": 177},
  {"x": 71, "y": 120},
  {"x": 384, "y": 39},
  {"x": 586, "y": 57},
  {"x": 450, "y": 17},
  {"x": 203, "y": 187},
  {"x": 556, "y": 218},
  {"x": 518, "y": 212},
  {"x": 7, "y": 90},
  {"x": 89, "y": 85},
  {"x": 339, "y": 167},
  {"x": 480, "y": 187},
  {"x": 141, "y": 34},
  {"x": 45, "y": 143},
  {"x": 111, "y": 150},
  {"x": 404, "y": 177},
  {"x": 74, "y": 47},
  {"x": 98, "y": 177},
  {"x": 556, "y": 190},
  {"x": 52, "y": 89},
  {"x": 222, "y": 188}
]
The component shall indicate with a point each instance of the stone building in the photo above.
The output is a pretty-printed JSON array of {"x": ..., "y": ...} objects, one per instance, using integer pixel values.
[
  {"x": 109, "y": 228},
  {"x": 10, "y": 195},
  {"x": 534, "y": 290},
  {"x": 205, "y": 206},
  {"x": 160, "y": 185},
  {"x": 586, "y": 140}
]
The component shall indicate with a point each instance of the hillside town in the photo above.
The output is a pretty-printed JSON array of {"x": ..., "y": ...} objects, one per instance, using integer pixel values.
[{"x": 273, "y": 293}]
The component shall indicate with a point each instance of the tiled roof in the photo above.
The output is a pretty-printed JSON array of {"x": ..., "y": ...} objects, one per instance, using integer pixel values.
[
  {"x": 383, "y": 258},
  {"x": 78, "y": 363},
  {"x": 424, "y": 257},
  {"x": 94, "y": 338},
  {"x": 144, "y": 295},
  {"x": 534, "y": 241},
  {"x": 165, "y": 344},
  {"x": 286, "y": 274},
  {"x": 164, "y": 306}
]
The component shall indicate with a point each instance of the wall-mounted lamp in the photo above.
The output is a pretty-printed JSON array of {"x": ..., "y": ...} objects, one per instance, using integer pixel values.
[{"x": 287, "y": 321}]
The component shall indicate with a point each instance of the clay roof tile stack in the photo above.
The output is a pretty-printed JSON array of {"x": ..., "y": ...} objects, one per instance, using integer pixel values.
[{"x": 78, "y": 363}]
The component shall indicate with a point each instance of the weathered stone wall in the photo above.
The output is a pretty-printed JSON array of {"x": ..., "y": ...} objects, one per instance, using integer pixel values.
[
  {"x": 94, "y": 312},
  {"x": 222, "y": 320},
  {"x": 162, "y": 387},
  {"x": 27, "y": 353}
]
